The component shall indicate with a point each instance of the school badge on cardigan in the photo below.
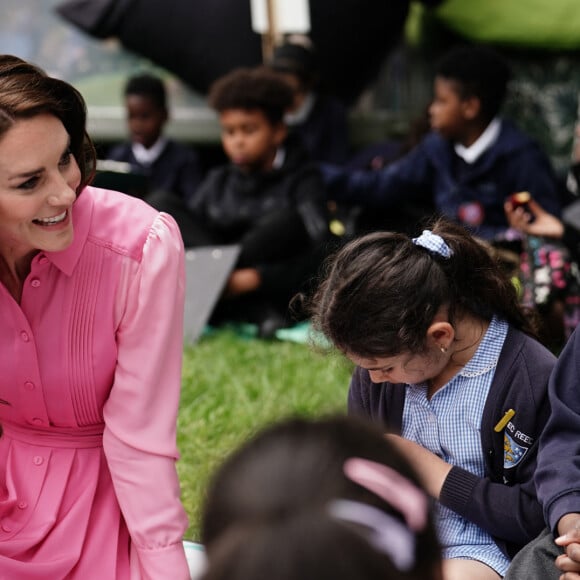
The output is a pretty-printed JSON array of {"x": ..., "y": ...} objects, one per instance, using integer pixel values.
[{"x": 513, "y": 453}]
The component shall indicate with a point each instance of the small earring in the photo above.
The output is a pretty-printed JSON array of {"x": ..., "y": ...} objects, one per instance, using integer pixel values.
[{"x": 443, "y": 349}]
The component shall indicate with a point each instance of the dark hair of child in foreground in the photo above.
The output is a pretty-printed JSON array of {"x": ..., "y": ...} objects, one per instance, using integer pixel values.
[{"x": 318, "y": 499}]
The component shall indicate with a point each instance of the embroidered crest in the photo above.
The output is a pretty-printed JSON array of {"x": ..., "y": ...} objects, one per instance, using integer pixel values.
[{"x": 512, "y": 452}]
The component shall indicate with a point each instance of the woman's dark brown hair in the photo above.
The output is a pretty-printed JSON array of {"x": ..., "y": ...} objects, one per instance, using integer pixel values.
[{"x": 27, "y": 91}]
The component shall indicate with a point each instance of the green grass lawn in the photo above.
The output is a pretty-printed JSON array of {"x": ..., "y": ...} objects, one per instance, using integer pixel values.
[{"x": 232, "y": 387}]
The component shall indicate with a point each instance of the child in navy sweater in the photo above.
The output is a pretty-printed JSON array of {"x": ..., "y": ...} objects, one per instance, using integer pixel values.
[
  {"x": 170, "y": 167},
  {"x": 470, "y": 162}
]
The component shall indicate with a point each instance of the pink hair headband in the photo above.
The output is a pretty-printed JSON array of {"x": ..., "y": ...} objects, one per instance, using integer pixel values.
[
  {"x": 392, "y": 487},
  {"x": 387, "y": 533}
]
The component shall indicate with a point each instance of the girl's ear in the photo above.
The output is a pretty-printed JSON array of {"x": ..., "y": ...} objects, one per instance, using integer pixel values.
[{"x": 441, "y": 334}]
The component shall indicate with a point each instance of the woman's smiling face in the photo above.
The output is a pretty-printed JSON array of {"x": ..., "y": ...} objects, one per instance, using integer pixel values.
[{"x": 39, "y": 177}]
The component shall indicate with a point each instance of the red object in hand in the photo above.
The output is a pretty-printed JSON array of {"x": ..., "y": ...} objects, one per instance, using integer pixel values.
[{"x": 522, "y": 199}]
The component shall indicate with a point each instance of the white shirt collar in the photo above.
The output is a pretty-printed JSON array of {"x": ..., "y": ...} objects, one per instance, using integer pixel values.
[
  {"x": 148, "y": 156},
  {"x": 472, "y": 153},
  {"x": 279, "y": 158}
]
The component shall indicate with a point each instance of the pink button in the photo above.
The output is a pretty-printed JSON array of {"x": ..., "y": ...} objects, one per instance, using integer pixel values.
[
  {"x": 35, "y": 282},
  {"x": 6, "y": 528},
  {"x": 22, "y": 505},
  {"x": 37, "y": 421},
  {"x": 24, "y": 336},
  {"x": 29, "y": 386},
  {"x": 42, "y": 260},
  {"x": 38, "y": 460}
]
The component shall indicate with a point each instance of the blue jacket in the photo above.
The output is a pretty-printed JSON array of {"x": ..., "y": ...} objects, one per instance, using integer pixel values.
[
  {"x": 471, "y": 194},
  {"x": 558, "y": 473},
  {"x": 503, "y": 503}
]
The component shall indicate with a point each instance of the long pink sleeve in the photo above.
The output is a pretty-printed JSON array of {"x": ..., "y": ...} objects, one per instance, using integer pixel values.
[{"x": 141, "y": 412}]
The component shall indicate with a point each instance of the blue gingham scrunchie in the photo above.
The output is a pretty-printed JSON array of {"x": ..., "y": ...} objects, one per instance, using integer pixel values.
[{"x": 433, "y": 243}]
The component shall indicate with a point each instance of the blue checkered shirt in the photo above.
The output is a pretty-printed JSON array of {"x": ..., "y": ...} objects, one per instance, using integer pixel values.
[{"x": 449, "y": 425}]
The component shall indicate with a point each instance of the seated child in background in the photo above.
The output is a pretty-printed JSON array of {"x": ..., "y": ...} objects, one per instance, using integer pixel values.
[
  {"x": 549, "y": 274},
  {"x": 319, "y": 119},
  {"x": 270, "y": 200},
  {"x": 315, "y": 499},
  {"x": 446, "y": 364},
  {"x": 470, "y": 162},
  {"x": 171, "y": 167}
]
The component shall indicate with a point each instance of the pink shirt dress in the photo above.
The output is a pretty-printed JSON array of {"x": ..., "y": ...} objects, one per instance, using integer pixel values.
[{"x": 90, "y": 368}]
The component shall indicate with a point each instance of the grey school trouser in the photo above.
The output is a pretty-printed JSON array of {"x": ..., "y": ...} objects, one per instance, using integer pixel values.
[{"x": 536, "y": 560}]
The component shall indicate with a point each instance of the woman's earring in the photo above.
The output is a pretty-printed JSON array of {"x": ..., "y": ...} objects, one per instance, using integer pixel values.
[{"x": 443, "y": 349}]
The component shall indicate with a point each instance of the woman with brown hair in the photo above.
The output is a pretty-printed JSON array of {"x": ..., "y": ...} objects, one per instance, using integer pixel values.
[{"x": 90, "y": 357}]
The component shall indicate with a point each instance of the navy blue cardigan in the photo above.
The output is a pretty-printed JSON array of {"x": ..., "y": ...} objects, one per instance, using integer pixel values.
[
  {"x": 558, "y": 473},
  {"x": 504, "y": 503}
]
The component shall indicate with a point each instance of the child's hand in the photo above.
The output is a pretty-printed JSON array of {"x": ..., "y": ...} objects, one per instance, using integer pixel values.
[
  {"x": 569, "y": 563},
  {"x": 544, "y": 224},
  {"x": 242, "y": 281},
  {"x": 432, "y": 470}
]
